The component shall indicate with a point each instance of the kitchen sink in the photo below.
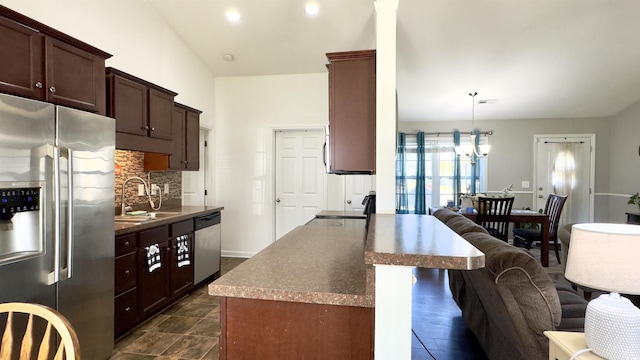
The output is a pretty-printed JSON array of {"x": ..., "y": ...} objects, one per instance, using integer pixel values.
[
  {"x": 135, "y": 219},
  {"x": 164, "y": 214}
]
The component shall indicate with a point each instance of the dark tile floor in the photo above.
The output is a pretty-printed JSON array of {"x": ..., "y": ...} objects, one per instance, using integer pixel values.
[{"x": 190, "y": 328}]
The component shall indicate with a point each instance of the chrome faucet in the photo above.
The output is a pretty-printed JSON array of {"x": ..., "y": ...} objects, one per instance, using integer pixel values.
[{"x": 123, "y": 210}]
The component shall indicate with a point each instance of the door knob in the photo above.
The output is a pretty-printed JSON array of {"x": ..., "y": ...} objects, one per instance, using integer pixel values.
[
  {"x": 540, "y": 188},
  {"x": 277, "y": 200},
  {"x": 348, "y": 201},
  {"x": 540, "y": 196}
]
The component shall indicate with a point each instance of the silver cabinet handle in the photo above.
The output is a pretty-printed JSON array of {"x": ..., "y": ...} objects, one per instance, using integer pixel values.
[
  {"x": 39, "y": 85},
  {"x": 348, "y": 201},
  {"x": 127, "y": 309},
  {"x": 146, "y": 127},
  {"x": 52, "y": 89},
  {"x": 278, "y": 200}
]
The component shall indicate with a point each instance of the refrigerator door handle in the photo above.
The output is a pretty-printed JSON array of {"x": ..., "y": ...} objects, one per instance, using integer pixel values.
[
  {"x": 66, "y": 269},
  {"x": 56, "y": 216}
]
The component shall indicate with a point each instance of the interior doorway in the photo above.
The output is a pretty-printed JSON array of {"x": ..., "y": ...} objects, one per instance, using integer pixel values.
[
  {"x": 564, "y": 165},
  {"x": 300, "y": 179}
]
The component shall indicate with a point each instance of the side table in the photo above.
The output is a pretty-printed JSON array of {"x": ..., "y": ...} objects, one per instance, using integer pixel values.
[
  {"x": 633, "y": 218},
  {"x": 563, "y": 344}
]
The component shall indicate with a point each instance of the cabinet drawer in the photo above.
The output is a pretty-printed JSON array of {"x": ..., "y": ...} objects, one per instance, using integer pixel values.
[
  {"x": 125, "y": 273},
  {"x": 126, "y": 311},
  {"x": 154, "y": 236},
  {"x": 125, "y": 244},
  {"x": 182, "y": 228}
]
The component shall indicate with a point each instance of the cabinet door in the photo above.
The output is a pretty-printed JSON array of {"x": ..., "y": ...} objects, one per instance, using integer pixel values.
[
  {"x": 352, "y": 116},
  {"x": 128, "y": 105},
  {"x": 181, "y": 274},
  {"x": 74, "y": 77},
  {"x": 21, "y": 60},
  {"x": 153, "y": 287},
  {"x": 177, "y": 158},
  {"x": 160, "y": 114},
  {"x": 192, "y": 139}
]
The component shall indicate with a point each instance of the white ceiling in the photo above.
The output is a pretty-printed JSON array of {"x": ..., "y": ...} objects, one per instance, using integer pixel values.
[{"x": 538, "y": 58}]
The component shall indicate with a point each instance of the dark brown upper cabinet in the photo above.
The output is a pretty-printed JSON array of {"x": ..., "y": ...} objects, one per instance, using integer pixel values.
[
  {"x": 352, "y": 112},
  {"x": 186, "y": 143},
  {"x": 41, "y": 63},
  {"x": 143, "y": 113}
]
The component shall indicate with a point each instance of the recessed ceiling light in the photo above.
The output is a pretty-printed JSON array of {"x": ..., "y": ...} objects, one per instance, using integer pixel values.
[
  {"x": 233, "y": 16},
  {"x": 228, "y": 57},
  {"x": 311, "y": 9}
]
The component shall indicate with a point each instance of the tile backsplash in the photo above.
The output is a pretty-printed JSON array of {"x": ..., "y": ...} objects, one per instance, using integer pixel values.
[{"x": 131, "y": 163}]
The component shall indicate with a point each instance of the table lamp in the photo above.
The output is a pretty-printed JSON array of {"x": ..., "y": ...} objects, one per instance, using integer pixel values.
[{"x": 607, "y": 257}]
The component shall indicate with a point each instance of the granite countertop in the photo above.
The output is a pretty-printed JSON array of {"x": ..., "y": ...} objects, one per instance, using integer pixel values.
[
  {"x": 320, "y": 263},
  {"x": 169, "y": 215},
  {"x": 339, "y": 214},
  {"x": 418, "y": 240},
  {"x": 330, "y": 260}
]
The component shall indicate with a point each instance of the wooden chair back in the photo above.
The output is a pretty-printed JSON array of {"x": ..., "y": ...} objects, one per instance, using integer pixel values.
[
  {"x": 68, "y": 348},
  {"x": 553, "y": 208},
  {"x": 494, "y": 214}
]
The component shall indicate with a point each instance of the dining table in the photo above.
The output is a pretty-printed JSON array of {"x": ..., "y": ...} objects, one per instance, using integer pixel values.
[{"x": 518, "y": 217}]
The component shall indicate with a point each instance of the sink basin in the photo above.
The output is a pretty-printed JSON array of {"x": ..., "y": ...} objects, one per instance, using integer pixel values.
[
  {"x": 136, "y": 219},
  {"x": 164, "y": 214}
]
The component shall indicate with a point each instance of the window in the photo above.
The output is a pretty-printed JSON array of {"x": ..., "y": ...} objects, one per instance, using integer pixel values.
[{"x": 439, "y": 171}]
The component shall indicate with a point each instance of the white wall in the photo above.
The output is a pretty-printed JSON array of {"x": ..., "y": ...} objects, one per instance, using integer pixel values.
[
  {"x": 248, "y": 109},
  {"x": 624, "y": 165}
]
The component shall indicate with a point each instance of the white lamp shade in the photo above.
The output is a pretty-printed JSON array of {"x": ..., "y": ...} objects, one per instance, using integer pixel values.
[{"x": 605, "y": 256}]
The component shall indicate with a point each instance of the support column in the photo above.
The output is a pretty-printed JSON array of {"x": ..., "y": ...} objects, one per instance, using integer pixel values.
[
  {"x": 393, "y": 312},
  {"x": 386, "y": 123}
]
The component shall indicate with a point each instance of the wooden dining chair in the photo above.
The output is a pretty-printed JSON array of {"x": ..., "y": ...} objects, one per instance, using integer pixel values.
[
  {"x": 526, "y": 237},
  {"x": 38, "y": 315},
  {"x": 494, "y": 215}
]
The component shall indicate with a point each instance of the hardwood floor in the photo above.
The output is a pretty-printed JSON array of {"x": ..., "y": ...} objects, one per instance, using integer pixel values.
[{"x": 190, "y": 328}]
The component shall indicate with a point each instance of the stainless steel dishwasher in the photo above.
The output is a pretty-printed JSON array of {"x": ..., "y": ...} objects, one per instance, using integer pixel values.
[{"x": 207, "y": 247}]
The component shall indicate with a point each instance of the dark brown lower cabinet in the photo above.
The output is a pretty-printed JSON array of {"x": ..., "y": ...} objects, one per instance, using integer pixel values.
[
  {"x": 263, "y": 329},
  {"x": 153, "y": 286}
]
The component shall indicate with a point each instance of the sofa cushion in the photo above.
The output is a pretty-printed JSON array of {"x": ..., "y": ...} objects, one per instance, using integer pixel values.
[
  {"x": 458, "y": 222},
  {"x": 515, "y": 270}
]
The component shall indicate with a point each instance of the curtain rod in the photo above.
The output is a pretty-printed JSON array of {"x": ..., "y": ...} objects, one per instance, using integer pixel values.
[{"x": 490, "y": 132}]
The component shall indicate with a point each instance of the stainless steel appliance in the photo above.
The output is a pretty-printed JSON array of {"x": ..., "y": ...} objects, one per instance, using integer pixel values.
[
  {"x": 56, "y": 215},
  {"x": 207, "y": 247}
]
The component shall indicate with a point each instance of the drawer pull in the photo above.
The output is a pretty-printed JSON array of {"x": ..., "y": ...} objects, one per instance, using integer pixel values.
[
  {"x": 127, "y": 272},
  {"x": 39, "y": 85},
  {"x": 126, "y": 243},
  {"x": 127, "y": 309}
]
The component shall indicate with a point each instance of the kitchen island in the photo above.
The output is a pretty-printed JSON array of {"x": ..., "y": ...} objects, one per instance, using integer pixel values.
[{"x": 312, "y": 293}]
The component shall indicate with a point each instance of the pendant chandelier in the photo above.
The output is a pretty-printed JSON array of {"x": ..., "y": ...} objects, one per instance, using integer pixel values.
[{"x": 473, "y": 151}]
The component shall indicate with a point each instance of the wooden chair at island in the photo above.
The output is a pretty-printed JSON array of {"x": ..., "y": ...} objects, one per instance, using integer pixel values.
[
  {"x": 494, "y": 214},
  {"x": 526, "y": 237},
  {"x": 29, "y": 347}
]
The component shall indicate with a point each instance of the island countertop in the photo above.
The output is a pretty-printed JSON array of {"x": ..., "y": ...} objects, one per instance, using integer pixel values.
[
  {"x": 418, "y": 240},
  {"x": 319, "y": 263}
]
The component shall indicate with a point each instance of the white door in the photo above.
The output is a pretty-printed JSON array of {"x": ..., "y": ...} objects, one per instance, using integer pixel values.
[
  {"x": 564, "y": 165},
  {"x": 300, "y": 178},
  {"x": 194, "y": 182},
  {"x": 356, "y": 188}
]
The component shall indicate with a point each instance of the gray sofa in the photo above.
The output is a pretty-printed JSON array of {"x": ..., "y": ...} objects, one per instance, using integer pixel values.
[{"x": 510, "y": 302}]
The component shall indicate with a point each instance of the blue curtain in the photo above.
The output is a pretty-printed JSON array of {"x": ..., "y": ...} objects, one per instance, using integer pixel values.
[
  {"x": 474, "y": 166},
  {"x": 402, "y": 197},
  {"x": 420, "y": 207},
  {"x": 456, "y": 168}
]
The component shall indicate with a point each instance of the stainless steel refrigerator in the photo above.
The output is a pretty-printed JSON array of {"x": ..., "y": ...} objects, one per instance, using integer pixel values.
[{"x": 56, "y": 215}]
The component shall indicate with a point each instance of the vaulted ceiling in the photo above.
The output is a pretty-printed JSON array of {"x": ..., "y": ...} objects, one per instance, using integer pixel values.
[{"x": 537, "y": 58}]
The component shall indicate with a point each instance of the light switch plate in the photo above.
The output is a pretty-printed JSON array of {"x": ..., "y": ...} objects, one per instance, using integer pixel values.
[
  {"x": 140, "y": 190},
  {"x": 525, "y": 184},
  {"x": 166, "y": 188}
]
